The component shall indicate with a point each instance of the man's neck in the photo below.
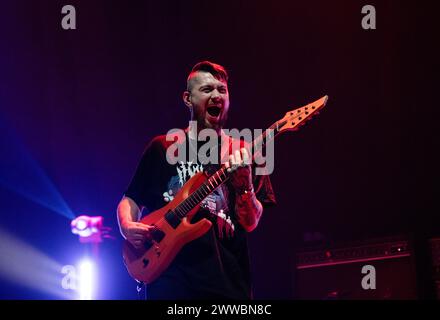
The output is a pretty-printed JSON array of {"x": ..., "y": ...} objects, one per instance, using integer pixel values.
[{"x": 193, "y": 135}]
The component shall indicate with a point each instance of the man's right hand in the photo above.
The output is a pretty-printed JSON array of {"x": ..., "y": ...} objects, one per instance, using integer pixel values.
[{"x": 136, "y": 233}]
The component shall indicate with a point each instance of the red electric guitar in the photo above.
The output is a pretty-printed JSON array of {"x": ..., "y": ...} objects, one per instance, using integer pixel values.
[{"x": 172, "y": 223}]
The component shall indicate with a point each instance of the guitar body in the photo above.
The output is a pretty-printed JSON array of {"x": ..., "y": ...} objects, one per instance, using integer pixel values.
[{"x": 148, "y": 263}]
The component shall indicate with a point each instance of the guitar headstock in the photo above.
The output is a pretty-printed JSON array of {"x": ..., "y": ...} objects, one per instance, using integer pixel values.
[{"x": 298, "y": 117}]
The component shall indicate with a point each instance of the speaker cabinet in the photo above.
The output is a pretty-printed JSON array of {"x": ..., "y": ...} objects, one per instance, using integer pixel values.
[{"x": 378, "y": 270}]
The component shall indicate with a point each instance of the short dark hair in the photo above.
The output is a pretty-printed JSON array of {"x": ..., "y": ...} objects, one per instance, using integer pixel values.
[{"x": 215, "y": 69}]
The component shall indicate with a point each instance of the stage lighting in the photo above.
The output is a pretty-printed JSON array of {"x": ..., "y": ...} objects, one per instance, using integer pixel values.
[
  {"x": 88, "y": 228},
  {"x": 85, "y": 280}
]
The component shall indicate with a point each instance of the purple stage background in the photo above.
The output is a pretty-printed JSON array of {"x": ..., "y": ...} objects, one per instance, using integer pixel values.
[{"x": 78, "y": 106}]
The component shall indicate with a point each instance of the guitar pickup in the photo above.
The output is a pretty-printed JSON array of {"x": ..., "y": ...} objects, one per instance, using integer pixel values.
[
  {"x": 172, "y": 219},
  {"x": 157, "y": 234}
]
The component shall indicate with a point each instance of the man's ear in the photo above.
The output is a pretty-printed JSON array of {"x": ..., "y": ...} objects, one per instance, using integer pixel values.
[{"x": 186, "y": 98}]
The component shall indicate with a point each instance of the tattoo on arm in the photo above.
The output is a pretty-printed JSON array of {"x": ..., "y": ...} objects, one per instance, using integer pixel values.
[{"x": 248, "y": 209}]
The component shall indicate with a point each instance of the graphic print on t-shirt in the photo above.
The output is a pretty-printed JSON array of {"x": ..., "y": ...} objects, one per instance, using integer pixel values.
[{"x": 216, "y": 203}]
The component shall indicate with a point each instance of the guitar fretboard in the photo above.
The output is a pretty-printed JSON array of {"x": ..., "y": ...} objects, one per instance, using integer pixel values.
[{"x": 212, "y": 183}]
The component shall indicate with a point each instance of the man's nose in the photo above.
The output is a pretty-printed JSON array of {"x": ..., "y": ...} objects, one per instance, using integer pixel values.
[{"x": 215, "y": 96}]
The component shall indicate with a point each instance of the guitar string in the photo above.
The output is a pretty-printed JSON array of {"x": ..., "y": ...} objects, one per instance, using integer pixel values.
[
  {"x": 273, "y": 126},
  {"x": 187, "y": 201}
]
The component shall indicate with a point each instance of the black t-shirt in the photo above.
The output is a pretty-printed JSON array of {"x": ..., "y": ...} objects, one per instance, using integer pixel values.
[{"x": 215, "y": 265}]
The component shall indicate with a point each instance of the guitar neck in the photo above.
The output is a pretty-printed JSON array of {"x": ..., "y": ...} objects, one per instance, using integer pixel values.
[{"x": 291, "y": 121}]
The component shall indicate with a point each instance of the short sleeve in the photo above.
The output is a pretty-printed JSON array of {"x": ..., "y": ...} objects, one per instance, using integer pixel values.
[
  {"x": 264, "y": 191},
  {"x": 146, "y": 176}
]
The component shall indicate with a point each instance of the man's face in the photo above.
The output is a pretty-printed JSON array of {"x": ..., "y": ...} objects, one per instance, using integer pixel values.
[{"x": 209, "y": 100}]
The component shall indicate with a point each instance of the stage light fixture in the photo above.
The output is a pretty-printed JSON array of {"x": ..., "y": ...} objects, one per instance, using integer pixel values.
[{"x": 88, "y": 228}]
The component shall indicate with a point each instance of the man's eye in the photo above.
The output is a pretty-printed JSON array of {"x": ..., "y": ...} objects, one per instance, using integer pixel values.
[{"x": 206, "y": 90}]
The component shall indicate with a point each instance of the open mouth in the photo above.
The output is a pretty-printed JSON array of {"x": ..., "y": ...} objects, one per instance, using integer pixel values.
[{"x": 214, "y": 111}]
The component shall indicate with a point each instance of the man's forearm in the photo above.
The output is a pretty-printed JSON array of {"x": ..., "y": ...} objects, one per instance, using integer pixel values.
[
  {"x": 128, "y": 211},
  {"x": 249, "y": 210}
]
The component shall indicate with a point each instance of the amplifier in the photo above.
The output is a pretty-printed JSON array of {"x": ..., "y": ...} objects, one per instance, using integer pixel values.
[{"x": 375, "y": 270}]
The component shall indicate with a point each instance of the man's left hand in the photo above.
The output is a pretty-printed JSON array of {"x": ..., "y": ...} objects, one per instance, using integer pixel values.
[{"x": 239, "y": 165}]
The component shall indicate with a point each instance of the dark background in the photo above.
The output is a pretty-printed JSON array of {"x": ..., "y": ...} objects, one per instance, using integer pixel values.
[{"x": 78, "y": 106}]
